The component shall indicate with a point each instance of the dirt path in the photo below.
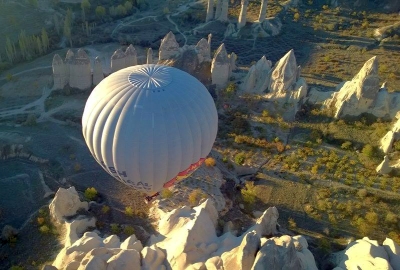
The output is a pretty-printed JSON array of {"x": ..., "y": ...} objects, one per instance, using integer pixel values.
[{"x": 26, "y": 71}]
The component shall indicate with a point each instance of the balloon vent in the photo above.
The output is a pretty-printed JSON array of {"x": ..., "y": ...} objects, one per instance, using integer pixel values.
[{"x": 150, "y": 77}]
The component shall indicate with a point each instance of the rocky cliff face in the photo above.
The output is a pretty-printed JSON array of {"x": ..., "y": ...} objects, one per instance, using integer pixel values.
[
  {"x": 169, "y": 47},
  {"x": 187, "y": 239},
  {"x": 364, "y": 95},
  {"x": 220, "y": 67}
]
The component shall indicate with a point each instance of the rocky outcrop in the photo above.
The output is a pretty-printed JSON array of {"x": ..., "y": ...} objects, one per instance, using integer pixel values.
[
  {"x": 388, "y": 140},
  {"x": 286, "y": 87},
  {"x": 258, "y": 77},
  {"x": 66, "y": 203},
  {"x": 218, "y": 9},
  {"x": 60, "y": 73},
  {"x": 387, "y": 31},
  {"x": 384, "y": 167},
  {"x": 187, "y": 239},
  {"x": 118, "y": 60},
  {"x": 263, "y": 10},
  {"x": 223, "y": 17},
  {"x": 368, "y": 254},
  {"x": 203, "y": 51},
  {"x": 230, "y": 30},
  {"x": 232, "y": 59},
  {"x": 243, "y": 14},
  {"x": 364, "y": 95},
  {"x": 149, "y": 56},
  {"x": 130, "y": 56},
  {"x": 169, "y": 47},
  {"x": 210, "y": 10},
  {"x": 220, "y": 67},
  {"x": 98, "y": 74},
  {"x": 80, "y": 75}
]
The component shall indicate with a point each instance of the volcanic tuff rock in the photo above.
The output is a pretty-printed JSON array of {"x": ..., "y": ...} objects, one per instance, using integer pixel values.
[
  {"x": 187, "y": 240},
  {"x": 65, "y": 203},
  {"x": 220, "y": 67},
  {"x": 80, "y": 75},
  {"x": 169, "y": 47},
  {"x": 131, "y": 56},
  {"x": 223, "y": 17},
  {"x": 243, "y": 14},
  {"x": 392, "y": 135},
  {"x": 203, "y": 50},
  {"x": 230, "y": 30},
  {"x": 118, "y": 60},
  {"x": 384, "y": 167},
  {"x": 368, "y": 254},
  {"x": 149, "y": 56},
  {"x": 210, "y": 10},
  {"x": 263, "y": 10},
  {"x": 218, "y": 9},
  {"x": 257, "y": 79},
  {"x": 60, "y": 73},
  {"x": 98, "y": 74}
]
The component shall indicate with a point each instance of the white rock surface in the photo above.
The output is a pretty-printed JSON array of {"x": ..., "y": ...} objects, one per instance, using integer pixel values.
[
  {"x": 130, "y": 56},
  {"x": 169, "y": 47},
  {"x": 80, "y": 74},
  {"x": 243, "y": 14},
  {"x": 203, "y": 51},
  {"x": 118, "y": 60},
  {"x": 66, "y": 203},
  {"x": 232, "y": 58},
  {"x": 98, "y": 74},
  {"x": 263, "y": 10},
  {"x": 210, "y": 10},
  {"x": 220, "y": 67},
  {"x": 60, "y": 73},
  {"x": 392, "y": 135},
  {"x": 153, "y": 258},
  {"x": 367, "y": 254},
  {"x": 132, "y": 243},
  {"x": 223, "y": 17},
  {"x": 218, "y": 9},
  {"x": 384, "y": 167},
  {"x": 150, "y": 56},
  {"x": 258, "y": 77}
]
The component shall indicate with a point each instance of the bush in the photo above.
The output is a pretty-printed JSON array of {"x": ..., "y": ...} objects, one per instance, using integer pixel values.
[
  {"x": 40, "y": 220},
  {"x": 44, "y": 229},
  {"x": 129, "y": 211},
  {"x": 240, "y": 158},
  {"x": 77, "y": 167},
  {"x": 90, "y": 193},
  {"x": 346, "y": 145},
  {"x": 30, "y": 120},
  {"x": 210, "y": 162},
  {"x": 362, "y": 193},
  {"x": 166, "y": 193},
  {"x": 195, "y": 196},
  {"x": 372, "y": 218},
  {"x": 129, "y": 230},
  {"x": 249, "y": 194},
  {"x": 115, "y": 229},
  {"x": 292, "y": 223},
  {"x": 368, "y": 151},
  {"x": 391, "y": 218},
  {"x": 105, "y": 209}
]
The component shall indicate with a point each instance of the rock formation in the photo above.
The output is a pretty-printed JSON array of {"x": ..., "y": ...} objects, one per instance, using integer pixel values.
[
  {"x": 220, "y": 67},
  {"x": 187, "y": 240},
  {"x": 80, "y": 75},
  {"x": 390, "y": 137},
  {"x": 263, "y": 11},
  {"x": 131, "y": 56},
  {"x": 364, "y": 95},
  {"x": 203, "y": 51},
  {"x": 368, "y": 254},
  {"x": 98, "y": 74},
  {"x": 223, "y": 17},
  {"x": 210, "y": 10},
  {"x": 169, "y": 47},
  {"x": 243, "y": 14},
  {"x": 218, "y": 9},
  {"x": 286, "y": 86},
  {"x": 230, "y": 30},
  {"x": 65, "y": 203},
  {"x": 118, "y": 60},
  {"x": 232, "y": 64},
  {"x": 258, "y": 77},
  {"x": 60, "y": 73},
  {"x": 384, "y": 167},
  {"x": 149, "y": 56}
]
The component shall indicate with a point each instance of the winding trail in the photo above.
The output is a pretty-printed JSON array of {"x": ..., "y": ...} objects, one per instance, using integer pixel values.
[
  {"x": 176, "y": 28},
  {"x": 26, "y": 71},
  {"x": 121, "y": 24}
]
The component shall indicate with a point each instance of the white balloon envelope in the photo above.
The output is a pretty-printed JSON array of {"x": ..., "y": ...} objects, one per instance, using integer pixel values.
[{"x": 150, "y": 125}]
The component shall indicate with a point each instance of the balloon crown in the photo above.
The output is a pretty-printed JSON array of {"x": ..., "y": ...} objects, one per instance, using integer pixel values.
[{"x": 150, "y": 77}]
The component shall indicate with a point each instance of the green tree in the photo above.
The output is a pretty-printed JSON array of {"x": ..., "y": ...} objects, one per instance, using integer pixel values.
[
  {"x": 45, "y": 40},
  {"x": 368, "y": 150},
  {"x": 10, "y": 50},
  {"x": 100, "y": 11},
  {"x": 68, "y": 25},
  {"x": 128, "y": 6},
  {"x": 85, "y": 5}
]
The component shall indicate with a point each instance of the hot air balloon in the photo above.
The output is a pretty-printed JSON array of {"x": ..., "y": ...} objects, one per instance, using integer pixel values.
[{"x": 149, "y": 126}]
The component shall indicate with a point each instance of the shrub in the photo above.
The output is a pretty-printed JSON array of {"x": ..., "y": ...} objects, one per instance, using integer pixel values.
[
  {"x": 240, "y": 158},
  {"x": 210, "y": 162},
  {"x": 90, "y": 193},
  {"x": 346, "y": 145},
  {"x": 372, "y": 218},
  {"x": 115, "y": 229},
  {"x": 292, "y": 223},
  {"x": 129, "y": 211},
  {"x": 249, "y": 193},
  {"x": 166, "y": 193},
  {"x": 30, "y": 120},
  {"x": 391, "y": 218},
  {"x": 129, "y": 230},
  {"x": 362, "y": 193},
  {"x": 77, "y": 167},
  {"x": 105, "y": 209},
  {"x": 40, "y": 220},
  {"x": 44, "y": 229},
  {"x": 368, "y": 150}
]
